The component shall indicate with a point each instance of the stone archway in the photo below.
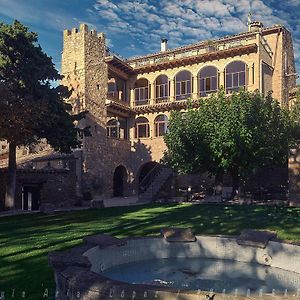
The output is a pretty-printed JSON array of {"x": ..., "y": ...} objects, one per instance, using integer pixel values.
[{"x": 119, "y": 181}]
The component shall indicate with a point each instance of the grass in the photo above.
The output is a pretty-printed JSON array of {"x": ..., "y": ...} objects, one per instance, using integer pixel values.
[{"x": 26, "y": 240}]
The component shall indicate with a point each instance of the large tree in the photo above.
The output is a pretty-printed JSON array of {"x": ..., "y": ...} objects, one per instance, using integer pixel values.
[
  {"x": 237, "y": 134},
  {"x": 295, "y": 116},
  {"x": 31, "y": 108}
]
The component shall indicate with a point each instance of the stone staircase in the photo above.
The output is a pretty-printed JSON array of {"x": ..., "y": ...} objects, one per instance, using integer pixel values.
[{"x": 153, "y": 183}]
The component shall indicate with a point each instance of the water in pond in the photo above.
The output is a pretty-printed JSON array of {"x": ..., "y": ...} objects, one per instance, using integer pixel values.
[{"x": 206, "y": 274}]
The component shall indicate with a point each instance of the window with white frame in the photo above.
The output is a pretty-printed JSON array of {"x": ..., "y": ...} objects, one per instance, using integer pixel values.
[
  {"x": 161, "y": 125},
  {"x": 117, "y": 128},
  {"x": 208, "y": 81},
  {"x": 183, "y": 81},
  {"x": 141, "y": 92},
  {"x": 162, "y": 88},
  {"x": 235, "y": 76},
  {"x": 142, "y": 128},
  {"x": 113, "y": 128}
]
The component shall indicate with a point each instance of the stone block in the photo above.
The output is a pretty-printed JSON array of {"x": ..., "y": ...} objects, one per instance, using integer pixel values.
[
  {"x": 103, "y": 240},
  {"x": 255, "y": 238},
  {"x": 73, "y": 257},
  {"x": 178, "y": 234}
]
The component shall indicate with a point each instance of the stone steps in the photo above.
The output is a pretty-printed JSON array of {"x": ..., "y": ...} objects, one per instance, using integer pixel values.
[{"x": 156, "y": 185}]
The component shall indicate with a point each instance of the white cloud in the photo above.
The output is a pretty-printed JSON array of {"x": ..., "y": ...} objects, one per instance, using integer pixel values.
[
  {"x": 143, "y": 23},
  {"x": 39, "y": 15}
]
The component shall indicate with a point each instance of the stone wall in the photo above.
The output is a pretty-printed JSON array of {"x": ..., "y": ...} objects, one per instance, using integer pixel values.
[
  {"x": 83, "y": 58},
  {"x": 283, "y": 62},
  {"x": 57, "y": 187},
  {"x": 289, "y": 81}
]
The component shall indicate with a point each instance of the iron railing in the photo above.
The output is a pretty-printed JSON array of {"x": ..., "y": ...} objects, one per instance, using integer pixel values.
[{"x": 148, "y": 180}]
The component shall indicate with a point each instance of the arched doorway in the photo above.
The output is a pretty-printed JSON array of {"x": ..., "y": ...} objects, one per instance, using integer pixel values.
[{"x": 120, "y": 179}]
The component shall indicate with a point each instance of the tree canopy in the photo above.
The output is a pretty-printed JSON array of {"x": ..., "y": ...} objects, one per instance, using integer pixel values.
[
  {"x": 236, "y": 134},
  {"x": 31, "y": 108},
  {"x": 295, "y": 117}
]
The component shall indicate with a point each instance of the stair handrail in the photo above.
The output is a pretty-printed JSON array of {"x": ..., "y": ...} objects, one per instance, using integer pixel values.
[{"x": 149, "y": 175}]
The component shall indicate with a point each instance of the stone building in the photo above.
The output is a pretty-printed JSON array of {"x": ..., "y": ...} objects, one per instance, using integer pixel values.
[
  {"x": 129, "y": 100},
  {"x": 43, "y": 181}
]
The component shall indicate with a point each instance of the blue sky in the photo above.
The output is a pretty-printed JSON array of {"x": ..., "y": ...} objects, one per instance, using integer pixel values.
[{"x": 135, "y": 27}]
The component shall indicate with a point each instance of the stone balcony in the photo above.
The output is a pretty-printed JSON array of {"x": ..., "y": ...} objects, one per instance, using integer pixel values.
[
  {"x": 114, "y": 105},
  {"x": 192, "y": 51}
]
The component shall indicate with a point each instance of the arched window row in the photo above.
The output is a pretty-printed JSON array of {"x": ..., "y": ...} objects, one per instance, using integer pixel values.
[
  {"x": 117, "y": 128},
  {"x": 142, "y": 126},
  {"x": 208, "y": 81}
]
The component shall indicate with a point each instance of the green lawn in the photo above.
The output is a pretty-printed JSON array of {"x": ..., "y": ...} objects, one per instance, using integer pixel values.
[{"x": 26, "y": 240}]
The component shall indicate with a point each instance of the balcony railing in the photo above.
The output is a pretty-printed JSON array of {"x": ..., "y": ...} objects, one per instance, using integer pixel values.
[
  {"x": 113, "y": 95},
  {"x": 201, "y": 49},
  {"x": 142, "y": 102},
  {"x": 162, "y": 99}
]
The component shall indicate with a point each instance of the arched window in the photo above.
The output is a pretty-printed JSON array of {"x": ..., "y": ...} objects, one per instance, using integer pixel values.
[
  {"x": 113, "y": 128},
  {"x": 235, "y": 73},
  {"x": 208, "y": 80},
  {"x": 161, "y": 125},
  {"x": 142, "y": 128},
  {"x": 141, "y": 92},
  {"x": 162, "y": 88},
  {"x": 117, "y": 128},
  {"x": 183, "y": 81}
]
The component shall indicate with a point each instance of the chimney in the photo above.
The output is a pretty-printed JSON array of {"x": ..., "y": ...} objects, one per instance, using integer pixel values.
[
  {"x": 164, "y": 45},
  {"x": 256, "y": 26}
]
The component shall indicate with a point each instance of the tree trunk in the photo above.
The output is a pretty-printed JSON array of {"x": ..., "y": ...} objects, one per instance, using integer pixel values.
[
  {"x": 219, "y": 177},
  {"x": 235, "y": 183},
  {"x": 219, "y": 181},
  {"x": 11, "y": 184}
]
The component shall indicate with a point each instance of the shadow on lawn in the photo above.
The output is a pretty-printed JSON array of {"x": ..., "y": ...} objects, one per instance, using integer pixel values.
[{"x": 26, "y": 240}]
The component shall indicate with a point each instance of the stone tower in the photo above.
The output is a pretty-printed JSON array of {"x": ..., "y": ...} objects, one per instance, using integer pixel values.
[{"x": 85, "y": 72}]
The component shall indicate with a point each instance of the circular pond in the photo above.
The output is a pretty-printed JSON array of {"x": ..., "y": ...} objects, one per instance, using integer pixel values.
[
  {"x": 154, "y": 267},
  {"x": 206, "y": 274}
]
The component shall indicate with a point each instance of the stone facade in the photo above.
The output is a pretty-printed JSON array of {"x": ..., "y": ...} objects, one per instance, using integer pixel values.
[
  {"x": 49, "y": 181},
  {"x": 114, "y": 91}
]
